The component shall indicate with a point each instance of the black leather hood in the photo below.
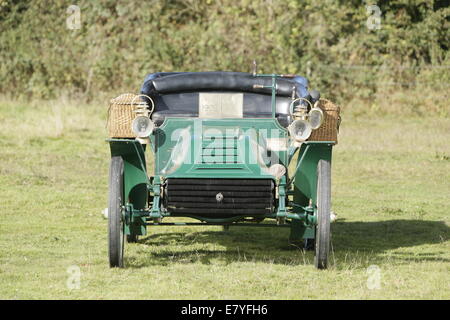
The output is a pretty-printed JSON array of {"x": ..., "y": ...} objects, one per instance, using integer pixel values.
[
  {"x": 220, "y": 80},
  {"x": 176, "y": 93}
]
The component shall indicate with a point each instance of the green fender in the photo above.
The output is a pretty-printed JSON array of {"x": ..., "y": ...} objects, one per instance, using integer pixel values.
[
  {"x": 305, "y": 183},
  {"x": 135, "y": 180}
]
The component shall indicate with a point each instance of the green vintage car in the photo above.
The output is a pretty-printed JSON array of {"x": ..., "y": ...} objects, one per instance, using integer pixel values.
[{"x": 222, "y": 144}]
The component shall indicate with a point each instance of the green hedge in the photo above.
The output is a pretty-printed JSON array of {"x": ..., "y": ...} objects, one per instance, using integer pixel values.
[{"x": 121, "y": 41}]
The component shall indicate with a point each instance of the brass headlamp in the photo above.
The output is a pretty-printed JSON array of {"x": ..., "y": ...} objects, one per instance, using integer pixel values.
[
  {"x": 142, "y": 126},
  {"x": 303, "y": 121}
]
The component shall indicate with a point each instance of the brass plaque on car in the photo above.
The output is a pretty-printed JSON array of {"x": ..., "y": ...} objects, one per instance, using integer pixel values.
[{"x": 220, "y": 105}]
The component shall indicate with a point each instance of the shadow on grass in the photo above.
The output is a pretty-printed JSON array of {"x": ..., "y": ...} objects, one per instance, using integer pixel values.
[
  {"x": 270, "y": 245},
  {"x": 379, "y": 236}
]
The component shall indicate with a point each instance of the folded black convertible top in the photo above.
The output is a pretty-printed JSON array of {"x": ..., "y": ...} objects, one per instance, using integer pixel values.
[{"x": 171, "y": 82}]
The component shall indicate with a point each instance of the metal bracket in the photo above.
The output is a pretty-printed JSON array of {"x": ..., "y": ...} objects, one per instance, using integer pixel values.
[{"x": 156, "y": 188}]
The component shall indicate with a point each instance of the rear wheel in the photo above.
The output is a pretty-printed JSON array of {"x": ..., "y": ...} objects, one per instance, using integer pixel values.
[
  {"x": 323, "y": 214},
  {"x": 115, "y": 219},
  {"x": 132, "y": 238}
]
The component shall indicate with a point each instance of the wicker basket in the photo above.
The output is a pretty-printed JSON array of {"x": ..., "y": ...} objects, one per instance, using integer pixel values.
[
  {"x": 120, "y": 115},
  {"x": 329, "y": 129}
]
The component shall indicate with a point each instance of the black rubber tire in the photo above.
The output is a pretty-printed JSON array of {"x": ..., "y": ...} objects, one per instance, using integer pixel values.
[
  {"x": 115, "y": 220},
  {"x": 323, "y": 214},
  {"x": 132, "y": 238},
  {"x": 309, "y": 244}
]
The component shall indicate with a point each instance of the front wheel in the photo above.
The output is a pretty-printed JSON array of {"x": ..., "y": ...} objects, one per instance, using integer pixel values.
[
  {"x": 115, "y": 219},
  {"x": 323, "y": 214}
]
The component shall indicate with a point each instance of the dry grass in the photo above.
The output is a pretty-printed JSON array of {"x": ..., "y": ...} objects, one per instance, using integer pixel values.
[{"x": 394, "y": 102}]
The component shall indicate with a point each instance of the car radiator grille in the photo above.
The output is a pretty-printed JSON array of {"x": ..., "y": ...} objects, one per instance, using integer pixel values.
[
  {"x": 220, "y": 150},
  {"x": 218, "y": 198}
]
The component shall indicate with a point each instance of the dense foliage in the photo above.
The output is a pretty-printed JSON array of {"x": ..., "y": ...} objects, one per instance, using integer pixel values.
[{"x": 329, "y": 41}]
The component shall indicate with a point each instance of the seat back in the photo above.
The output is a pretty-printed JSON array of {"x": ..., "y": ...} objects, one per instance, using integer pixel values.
[
  {"x": 186, "y": 104},
  {"x": 176, "y": 94}
]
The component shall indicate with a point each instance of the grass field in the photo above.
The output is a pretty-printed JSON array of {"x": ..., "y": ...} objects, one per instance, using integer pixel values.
[{"x": 391, "y": 191}]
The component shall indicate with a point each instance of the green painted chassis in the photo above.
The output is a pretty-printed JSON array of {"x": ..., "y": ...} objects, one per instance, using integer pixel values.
[{"x": 296, "y": 194}]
